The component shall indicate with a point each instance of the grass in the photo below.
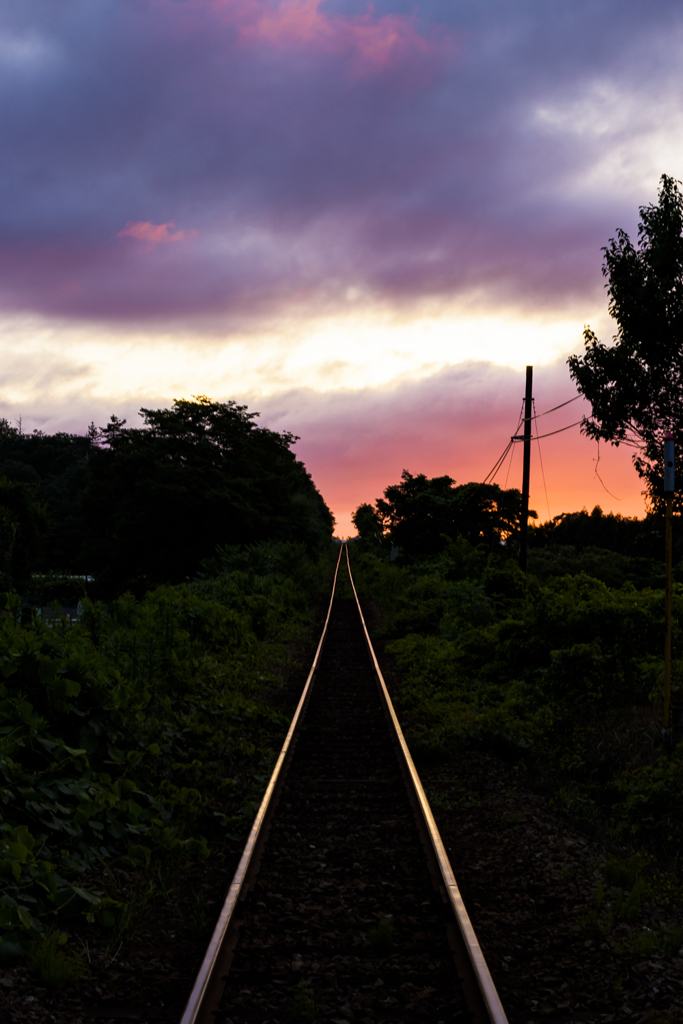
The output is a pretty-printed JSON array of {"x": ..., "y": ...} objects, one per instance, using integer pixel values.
[
  {"x": 444, "y": 797},
  {"x": 672, "y": 939},
  {"x": 512, "y": 818},
  {"x": 381, "y": 937},
  {"x": 623, "y": 873},
  {"x": 627, "y": 905},
  {"x": 55, "y": 965},
  {"x": 643, "y": 943},
  {"x": 303, "y": 1005},
  {"x": 198, "y": 917},
  {"x": 591, "y": 927}
]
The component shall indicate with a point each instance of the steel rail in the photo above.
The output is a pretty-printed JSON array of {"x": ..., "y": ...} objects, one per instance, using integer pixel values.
[
  {"x": 209, "y": 983},
  {"x": 480, "y": 991}
]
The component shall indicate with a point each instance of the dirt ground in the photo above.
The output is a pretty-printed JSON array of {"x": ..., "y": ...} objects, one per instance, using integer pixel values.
[{"x": 541, "y": 907}]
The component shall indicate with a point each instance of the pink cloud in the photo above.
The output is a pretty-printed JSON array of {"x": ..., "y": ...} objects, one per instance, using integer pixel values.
[
  {"x": 295, "y": 23},
  {"x": 373, "y": 42},
  {"x": 145, "y": 231}
]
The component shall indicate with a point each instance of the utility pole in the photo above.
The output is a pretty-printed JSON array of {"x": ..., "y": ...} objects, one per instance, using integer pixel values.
[
  {"x": 669, "y": 488},
  {"x": 524, "y": 523}
]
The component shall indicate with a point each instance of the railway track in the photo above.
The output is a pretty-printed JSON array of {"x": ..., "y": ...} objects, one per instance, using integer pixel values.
[{"x": 344, "y": 906}]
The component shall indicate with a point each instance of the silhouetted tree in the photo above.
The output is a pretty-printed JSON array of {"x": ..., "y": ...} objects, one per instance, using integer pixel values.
[
  {"x": 420, "y": 514},
  {"x": 635, "y": 385},
  {"x": 23, "y": 523},
  {"x": 160, "y": 499},
  {"x": 610, "y": 531},
  {"x": 368, "y": 522},
  {"x": 55, "y": 467}
]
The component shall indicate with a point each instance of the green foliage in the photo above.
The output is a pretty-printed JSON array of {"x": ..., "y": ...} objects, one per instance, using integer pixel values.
[
  {"x": 141, "y": 732},
  {"x": 140, "y": 507},
  {"x": 622, "y": 872},
  {"x": 643, "y": 943},
  {"x": 564, "y": 674},
  {"x": 381, "y": 936},
  {"x": 591, "y": 927},
  {"x": 368, "y": 522},
  {"x": 159, "y": 500},
  {"x": 613, "y": 548},
  {"x": 54, "y": 587},
  {"x": 651, "y": 807},
  {"x": 303, "y": 1004},
  {"x": 54, "y": 468},
  {"x": 421, "y": 515},
  {"x": 634, "y": 385},
  {"x": 603, "y": 530},
  {"x": 22, "y": 525},
  {"x": 54, "y": 965},
  {"x": 672, "y": 939},
  {"x": 610, "y": 567}
]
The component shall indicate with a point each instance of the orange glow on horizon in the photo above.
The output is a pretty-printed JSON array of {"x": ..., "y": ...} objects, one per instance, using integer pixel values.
[{"x": 569, "y": 464}]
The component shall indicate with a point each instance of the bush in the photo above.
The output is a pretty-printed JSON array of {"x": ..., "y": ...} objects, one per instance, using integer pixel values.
[
  {"x": 565, "y": 674},
  {"x": 141, "y": 732}
]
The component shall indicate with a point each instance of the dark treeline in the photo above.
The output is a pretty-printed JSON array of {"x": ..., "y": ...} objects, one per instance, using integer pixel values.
[
  {"x": 422, "y": 517},
  {"x": 137, "y": 507}
]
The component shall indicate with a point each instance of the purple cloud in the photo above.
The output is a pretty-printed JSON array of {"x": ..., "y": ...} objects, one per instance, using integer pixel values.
[{"x": 301, "y": 147}]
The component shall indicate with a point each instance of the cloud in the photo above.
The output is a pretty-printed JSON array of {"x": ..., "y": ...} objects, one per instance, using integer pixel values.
[
  {"x": 356, "y": 441},
  {"x": 145, "y": 231},
  {"x": 317, "y": 147},
  {"x": 373, "y": 42}
]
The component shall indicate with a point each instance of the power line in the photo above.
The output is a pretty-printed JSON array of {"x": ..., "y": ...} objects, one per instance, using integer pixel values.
[
  {"x": 512, "y": 459},
  {"x": 550, "y": 434},
  {"x": 498, "y": 463},
  {"x": 538, "y": 415},
  {"x": 501, "y": 460},
  {"x": 540, "y": 457},
  {"x": 599, "y": 477}
]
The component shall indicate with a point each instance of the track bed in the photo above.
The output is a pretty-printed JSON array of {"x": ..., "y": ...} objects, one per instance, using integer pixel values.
[{"x": 343, "y": 869}]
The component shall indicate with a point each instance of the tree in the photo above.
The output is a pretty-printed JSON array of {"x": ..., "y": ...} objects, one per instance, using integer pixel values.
[
  {"x": 368, "y": 522},
  {"x": 55, "y": 467},
  {"x": 597, "y": 529},
  {"x": 420, "y": 514},
  {"x": 635, "y": 385},
  {"x": 159, "y": 500},
  {"x": 23, "y": 523}
]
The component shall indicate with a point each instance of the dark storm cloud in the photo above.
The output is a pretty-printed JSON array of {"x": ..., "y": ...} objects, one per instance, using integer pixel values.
[{"x": 293, "y": 149}]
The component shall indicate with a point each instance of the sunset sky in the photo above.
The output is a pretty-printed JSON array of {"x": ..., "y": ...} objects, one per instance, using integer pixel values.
[{"x": 362, "y": 220}]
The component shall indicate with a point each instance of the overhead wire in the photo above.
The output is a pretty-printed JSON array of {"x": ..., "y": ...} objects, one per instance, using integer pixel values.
[
  {"x": 490, "y": 476},
  {"x": 560, "y": 431},
  {"x": 600, "y": 478},
  {"x": 512, "y": 459},
  {"x": 540, "y": 458},
  {"x": 569, "y": 401},
  {"x": 499, "y": 462}
]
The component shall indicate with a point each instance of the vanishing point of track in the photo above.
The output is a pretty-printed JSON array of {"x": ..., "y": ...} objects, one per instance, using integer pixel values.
[{"x": 344, "y": 906}]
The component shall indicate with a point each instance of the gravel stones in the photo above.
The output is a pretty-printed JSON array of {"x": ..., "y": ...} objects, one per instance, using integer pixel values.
[{"x": 344, "y": 922}]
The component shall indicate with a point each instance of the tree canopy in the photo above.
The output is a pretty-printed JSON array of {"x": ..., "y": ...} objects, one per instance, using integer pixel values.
[
  {"x": 141, "y": 506},
  {"x": 54, "y": 468},
  {"x": 420, "y": 514},
  {"x": 23, "y": 524},
  {"x": 635, "y": 385},
  {"x": 159, "y": 500}
]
